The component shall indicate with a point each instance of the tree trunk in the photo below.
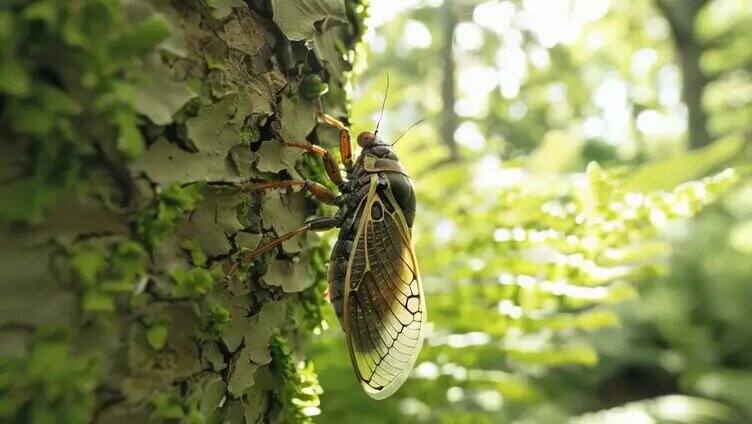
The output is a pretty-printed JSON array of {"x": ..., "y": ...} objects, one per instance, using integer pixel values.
[
  {"x": 127, "y": 129},
  {"x": 681, "y": 16},
  {"x": 449, "y": 120}
]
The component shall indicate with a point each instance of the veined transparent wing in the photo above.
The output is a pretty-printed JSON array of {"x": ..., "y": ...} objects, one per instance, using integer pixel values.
[{"x": 384, "y": 306}]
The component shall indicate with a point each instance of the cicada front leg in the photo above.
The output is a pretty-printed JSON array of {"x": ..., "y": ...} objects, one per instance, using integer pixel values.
[
  {"x": 330, "y": 164},
  {"x": 345, "y": 142},
  {"x": 345, "y": 147},
  {"x": 319, "y": 191},
  {"x": 313, "y": 224}
]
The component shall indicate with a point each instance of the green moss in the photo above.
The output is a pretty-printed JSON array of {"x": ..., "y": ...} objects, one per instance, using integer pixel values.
[
  {"x": 50, "y": 384},
  {"x": 300, "y": 387},
  {"x": 172, "y": 203},
  {"x": 193, "y": 282}
]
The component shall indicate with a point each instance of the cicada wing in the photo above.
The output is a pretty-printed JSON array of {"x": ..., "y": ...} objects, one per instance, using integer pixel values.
[{"x": 384, "y": 305}]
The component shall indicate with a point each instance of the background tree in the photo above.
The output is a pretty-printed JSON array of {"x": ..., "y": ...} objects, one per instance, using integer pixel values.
[
  {"x": 128, "y": 129},
  {"x": 681, "y": 18}
]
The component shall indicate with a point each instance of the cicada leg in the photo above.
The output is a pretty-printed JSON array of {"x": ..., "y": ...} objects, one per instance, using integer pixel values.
[
  {"x": 345, "y": 142},
  {"x": 345, "y": 147},
  {"x": 330, "y": 164},
  {"x": 319, "y": 191},
  {"x": 313, "y": 224}
]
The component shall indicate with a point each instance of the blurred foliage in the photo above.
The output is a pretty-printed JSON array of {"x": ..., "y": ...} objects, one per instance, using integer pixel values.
[
  {"x": 51, "y": 383},
  {"x": 558, "y": 287},
  {"x": 664, "y": 409}
]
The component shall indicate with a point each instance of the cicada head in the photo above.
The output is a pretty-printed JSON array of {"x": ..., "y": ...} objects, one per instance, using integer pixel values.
[
  {"x": 367, "y": 139},
  {"x": 373, "y": 145}
]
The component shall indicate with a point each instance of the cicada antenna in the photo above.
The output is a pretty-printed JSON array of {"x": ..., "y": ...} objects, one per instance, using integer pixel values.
[
  {"x": 420, "y": 121},
  {"x": 383, "y": 104}
]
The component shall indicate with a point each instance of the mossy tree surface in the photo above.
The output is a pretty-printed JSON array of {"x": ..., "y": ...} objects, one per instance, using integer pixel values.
[{"x": 127, "y": 129}]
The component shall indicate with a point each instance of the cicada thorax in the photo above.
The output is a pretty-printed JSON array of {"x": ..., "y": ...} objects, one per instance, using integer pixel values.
[{"x": 381, "y": 159}]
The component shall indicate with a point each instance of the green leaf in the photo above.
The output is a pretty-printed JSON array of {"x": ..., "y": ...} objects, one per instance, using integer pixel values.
[
  {"x": 741, "y": 237},
  {"x": 727, "y": 384},
  {"x": 88, "y": 262},
  {"x": 558, "y": 150},
  {"x": 297, "y": 18},
  {"x": 194, "y": 250},
  {"x": 31, "y": 120},
  {"x": 167, "y": 406},
  {"x": 301, "y": 386},
  {"x": 223, "y": 8},
  {"x": 182, "y": 197},
  {"x": 142, "y": 38},
  {"x": 43, "y": 10},
  {"x": 50, "y": 383},
  {"x": 173, "y": 201},
  {"x": 95, "y": 301},
  {"x": 13, "y": 79},
  {"x": 663, "y": 409},
  {"x": 219, "y": 318},
  {"x": 329, "y": 48},
  {"x": 117, "y": 286},
  {"x": 193, "y": 282},
  {"x": 130, "y": 141},
  {"x": 312, "y": 87},
  {"x": 25, "y": 201},
  {"x": 129, "y": 260},
  {"x": 56, "y": 100},
  {"x": 157, "y": 336},
  {"x": 668, "y": 173},
  {"x": 568, "y": 354}
]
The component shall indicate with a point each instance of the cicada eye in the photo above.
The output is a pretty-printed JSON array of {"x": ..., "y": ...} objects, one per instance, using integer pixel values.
[{"x": 366, "y": 139}]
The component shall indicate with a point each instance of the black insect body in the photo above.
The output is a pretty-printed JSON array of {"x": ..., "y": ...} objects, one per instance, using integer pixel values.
[{"x": 374, "y": 282}]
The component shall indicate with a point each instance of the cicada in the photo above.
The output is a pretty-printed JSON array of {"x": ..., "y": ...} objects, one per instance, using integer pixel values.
[{"x": 374, "y": 281}]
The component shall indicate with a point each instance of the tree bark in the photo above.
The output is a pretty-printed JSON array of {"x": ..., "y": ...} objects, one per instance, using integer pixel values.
[
  {"x": 681, "y": 16},
  {"x": 127, "y": 131}
]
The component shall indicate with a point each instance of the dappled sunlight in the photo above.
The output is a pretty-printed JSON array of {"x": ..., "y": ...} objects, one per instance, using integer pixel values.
[{"x": 417, "y": 36}]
